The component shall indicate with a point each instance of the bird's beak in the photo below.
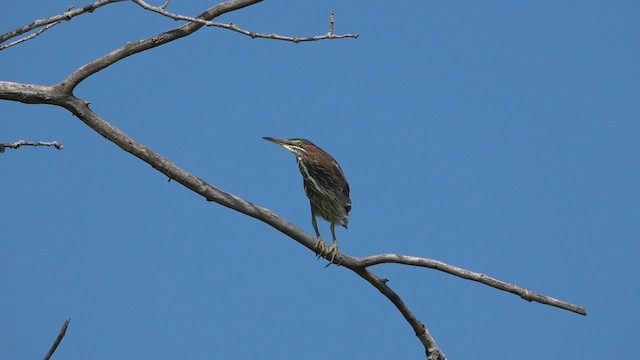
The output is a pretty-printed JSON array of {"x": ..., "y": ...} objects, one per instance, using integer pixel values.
[{"x": 282, "y": 142}]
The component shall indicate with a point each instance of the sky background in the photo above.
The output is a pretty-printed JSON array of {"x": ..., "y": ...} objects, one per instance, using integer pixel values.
[{"x": 501, "y": 137}]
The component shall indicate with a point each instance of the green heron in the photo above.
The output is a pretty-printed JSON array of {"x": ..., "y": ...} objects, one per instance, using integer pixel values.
[{"x": 325, "y": 186}]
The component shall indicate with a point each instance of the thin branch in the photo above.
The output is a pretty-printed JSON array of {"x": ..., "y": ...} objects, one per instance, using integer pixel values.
[
  {"x": 432, "y": 350},
  {"x": 30, "y": 36},
  {"x": 254, "y": 35},
  {"x": 67, "y": 15},
  {"x": 166, "y": 3},
  {"x": 63, "y": 330},
  {"x": 161, "y": 10},
  {"x": 230, "y": 26},
  {"x": 470, "y": 275},
  {"x": 332, "y": 22},
  {"x": 19, "y": 143}
]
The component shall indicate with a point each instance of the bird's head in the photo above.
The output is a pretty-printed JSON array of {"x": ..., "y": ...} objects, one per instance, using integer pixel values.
[{"x": 300, "y": 147}]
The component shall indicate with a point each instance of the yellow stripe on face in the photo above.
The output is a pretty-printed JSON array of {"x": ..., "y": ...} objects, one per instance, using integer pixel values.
[{"x": 294, "y": 149}]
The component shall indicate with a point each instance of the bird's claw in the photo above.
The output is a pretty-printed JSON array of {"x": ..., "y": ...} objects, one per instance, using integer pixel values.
[
  {"x": 325, "y": 249},
  {"x": 321, "y": 248}
]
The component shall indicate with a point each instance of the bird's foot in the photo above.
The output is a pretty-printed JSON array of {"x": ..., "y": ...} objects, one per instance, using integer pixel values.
[
  {"x": 336, "y": 257},
  {"x": 321, "y": 248},
  {"x": 324, "y": 250}
]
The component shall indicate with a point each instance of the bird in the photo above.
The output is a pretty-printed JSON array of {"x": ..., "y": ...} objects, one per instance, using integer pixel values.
[{"x": 326, "y": 187}]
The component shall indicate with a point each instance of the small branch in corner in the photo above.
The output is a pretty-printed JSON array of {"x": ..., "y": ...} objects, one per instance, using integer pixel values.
[
  {"x": 20, "y": 143},
  {"x": 47, "y": 23},
  {"x": 63, "y": 330},
  {"x": 29, "y": 37}
]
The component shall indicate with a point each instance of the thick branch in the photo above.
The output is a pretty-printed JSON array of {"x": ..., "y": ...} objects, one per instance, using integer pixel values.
[
  {"x": 63, "y": 330},
  {"x": 27, "y": 93},
  {"x": 469, "y": 275},
  {"x": 67, "y": 15}
]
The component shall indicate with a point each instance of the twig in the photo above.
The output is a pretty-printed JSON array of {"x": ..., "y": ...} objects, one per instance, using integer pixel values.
[
  {"x": 67, "y": 15},
  {"x": 63, "y": 330},
  {"x": 469, "y": 275},
  {"x": 230, "y": 26},
  {"x": 331, "y": 22},
  {"x": 19, "y": 143},
  {"x": 29, "y": 37},
  {"x": 327, "y": 36}
]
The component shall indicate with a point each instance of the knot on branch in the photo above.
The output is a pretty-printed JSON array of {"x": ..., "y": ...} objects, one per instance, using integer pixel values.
[{"x": 526, "y": 295}]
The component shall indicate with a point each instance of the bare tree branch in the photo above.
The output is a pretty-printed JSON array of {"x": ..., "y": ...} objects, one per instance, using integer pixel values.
[
  {"x": 62, "y": 95},
  {"x": 81, "y": 110},
  {"x": 432, "y": 350},
  {"x": 67, "y": 15},
  {"x": 27, "y": 93},
  {"x": 30, "y": 36},
  {"x": 160, "y": 39},
  {"x": 327, "y": 36},
  {"x": 63, "y": 330},
  {"x": 230, "y": 26},
  {"x": 469, "y": 275},
  {"x": 19, "y": 143}
]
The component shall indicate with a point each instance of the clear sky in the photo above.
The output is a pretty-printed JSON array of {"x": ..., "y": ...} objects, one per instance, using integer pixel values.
[{"x": 501, "y": 137}]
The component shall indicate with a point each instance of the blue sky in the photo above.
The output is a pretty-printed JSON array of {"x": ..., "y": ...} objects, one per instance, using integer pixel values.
[{"x": 501, "y": 137}]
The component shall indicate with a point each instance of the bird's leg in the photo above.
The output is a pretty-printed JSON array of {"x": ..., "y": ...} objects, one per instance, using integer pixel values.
[
  {"x": 321, "y": 246},
  {"x": 333, "y": 249}
]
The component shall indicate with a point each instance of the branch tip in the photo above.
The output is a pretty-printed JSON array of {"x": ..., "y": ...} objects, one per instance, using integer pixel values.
[
  {"x": 331, "y": 22},
  {"x": 63, "y": 331}
]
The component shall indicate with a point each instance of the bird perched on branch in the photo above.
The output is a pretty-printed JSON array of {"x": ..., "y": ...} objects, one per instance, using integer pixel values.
[{"x": 326, "y": 187}]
